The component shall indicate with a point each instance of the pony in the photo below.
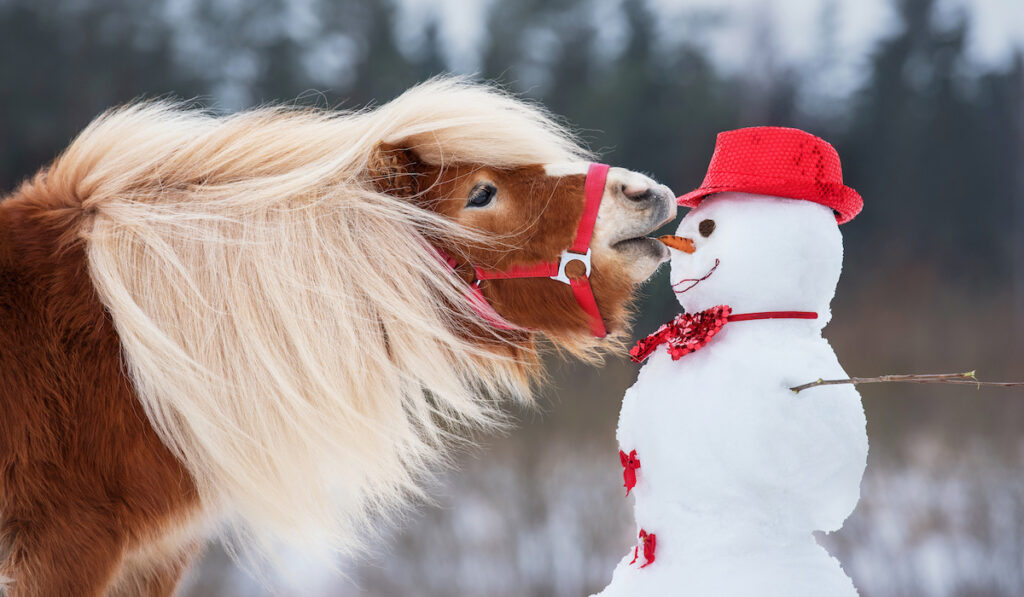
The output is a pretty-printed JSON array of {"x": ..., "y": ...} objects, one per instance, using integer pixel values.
[{"x": 260, "y": 325}]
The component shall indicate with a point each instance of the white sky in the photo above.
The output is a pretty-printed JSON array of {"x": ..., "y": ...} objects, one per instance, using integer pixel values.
[{"x": 997, "y": 26}]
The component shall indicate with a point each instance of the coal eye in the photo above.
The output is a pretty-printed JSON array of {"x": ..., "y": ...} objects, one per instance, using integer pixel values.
[
  {"x": 706, "y": 228},
  {"x": 481, "y": 195}
]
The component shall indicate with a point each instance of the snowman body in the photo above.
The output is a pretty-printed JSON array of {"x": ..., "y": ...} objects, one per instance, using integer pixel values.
[{"x": 736, "y": 470}]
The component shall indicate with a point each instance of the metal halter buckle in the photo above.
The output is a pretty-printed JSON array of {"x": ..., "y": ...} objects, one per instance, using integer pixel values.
[{"x": 567, "y": 258}]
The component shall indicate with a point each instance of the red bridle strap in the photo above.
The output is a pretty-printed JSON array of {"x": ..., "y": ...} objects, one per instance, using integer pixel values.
[
  {"x": 773, "y": 315},
  {"x": 593, "y": 191},
  {"x": 540, "y": 270}
]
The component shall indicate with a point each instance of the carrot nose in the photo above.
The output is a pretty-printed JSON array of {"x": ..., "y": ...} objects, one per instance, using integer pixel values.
[{"x": 678, "y": 243}]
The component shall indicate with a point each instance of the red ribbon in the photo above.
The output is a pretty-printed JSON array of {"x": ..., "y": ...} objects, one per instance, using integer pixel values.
[
  {"x": 629, "y": 465},
  {"x": 649, "y": 541},
  {"x": 690, "y": 332}
]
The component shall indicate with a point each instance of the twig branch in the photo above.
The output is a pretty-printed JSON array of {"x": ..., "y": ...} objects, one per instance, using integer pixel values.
[{"x": 952, "y": 378}]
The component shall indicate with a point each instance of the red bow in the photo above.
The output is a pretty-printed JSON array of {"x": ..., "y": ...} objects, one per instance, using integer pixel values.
[
  {"x": 688, "y": 333},
  {"x": 684, "y": 334},
  {"x": 649, "y": 542},
  {"x": 629, "y": 463}
]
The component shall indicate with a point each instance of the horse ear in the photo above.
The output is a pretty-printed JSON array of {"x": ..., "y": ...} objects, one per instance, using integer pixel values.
[{"x": 396, "y": 170}]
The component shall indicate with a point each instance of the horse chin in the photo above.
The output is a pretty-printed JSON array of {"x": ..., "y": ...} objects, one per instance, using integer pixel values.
[{"x": 640, "y": 257}]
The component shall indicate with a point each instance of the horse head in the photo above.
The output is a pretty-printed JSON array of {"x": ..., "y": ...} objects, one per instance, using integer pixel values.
[{"x": 531, "y": 215}]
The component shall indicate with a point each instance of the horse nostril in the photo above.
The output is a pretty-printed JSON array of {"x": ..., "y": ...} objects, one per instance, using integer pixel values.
[{"x": 638, "y": 193}]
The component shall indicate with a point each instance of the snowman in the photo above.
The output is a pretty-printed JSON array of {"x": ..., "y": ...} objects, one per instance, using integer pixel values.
[{"x": 731, "y": 471}]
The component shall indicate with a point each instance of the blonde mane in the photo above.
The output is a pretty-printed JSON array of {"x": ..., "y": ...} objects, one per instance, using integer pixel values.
[{"x": 288, "y": 333}]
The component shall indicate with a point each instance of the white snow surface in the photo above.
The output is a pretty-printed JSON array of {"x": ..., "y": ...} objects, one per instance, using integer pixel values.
[{"x": 737, "y": 471}]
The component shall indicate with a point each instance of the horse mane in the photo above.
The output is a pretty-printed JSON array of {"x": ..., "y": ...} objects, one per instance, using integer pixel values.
[{"x": 289, "y": 333}]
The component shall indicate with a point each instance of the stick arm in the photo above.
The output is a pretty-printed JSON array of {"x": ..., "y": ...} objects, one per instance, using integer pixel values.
[{"x": 968, "y": 377}]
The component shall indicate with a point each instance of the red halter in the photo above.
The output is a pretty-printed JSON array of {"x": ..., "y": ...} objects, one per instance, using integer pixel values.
[{"x": 593, "y": 190}]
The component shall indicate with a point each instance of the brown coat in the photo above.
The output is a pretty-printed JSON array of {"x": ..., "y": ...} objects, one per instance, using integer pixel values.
[{"x": 84, "y": 481}]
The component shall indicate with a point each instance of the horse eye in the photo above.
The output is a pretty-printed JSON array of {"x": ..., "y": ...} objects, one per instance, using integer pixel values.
[
  {"x": 481, "y": 195},
  {"x": 706, "y": 228}
]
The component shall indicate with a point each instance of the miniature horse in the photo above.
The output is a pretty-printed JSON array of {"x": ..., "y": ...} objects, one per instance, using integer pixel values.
[{"x": 269, "y": 325}]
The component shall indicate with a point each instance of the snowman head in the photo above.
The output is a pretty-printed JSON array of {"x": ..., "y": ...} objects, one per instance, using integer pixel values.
[{"x": 758, "y": 253}]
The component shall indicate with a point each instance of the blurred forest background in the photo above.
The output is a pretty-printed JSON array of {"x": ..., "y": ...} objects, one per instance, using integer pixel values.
[{"x": 931, "y": 136}]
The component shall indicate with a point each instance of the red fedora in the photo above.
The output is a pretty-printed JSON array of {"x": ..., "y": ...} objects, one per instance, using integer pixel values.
[{"x": 778, "y": 161}]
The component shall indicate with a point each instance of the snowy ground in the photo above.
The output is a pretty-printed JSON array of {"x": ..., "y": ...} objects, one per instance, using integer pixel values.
[{"x": 935, "y": 522}]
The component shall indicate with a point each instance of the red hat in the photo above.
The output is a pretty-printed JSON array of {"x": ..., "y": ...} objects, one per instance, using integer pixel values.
[{"x": 778, "y": 161}]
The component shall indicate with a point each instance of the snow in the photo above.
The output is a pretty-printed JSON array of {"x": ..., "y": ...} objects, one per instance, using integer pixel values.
[
  {"x": 774, "y": 254},
  {"x": 737, "y": 471}
]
